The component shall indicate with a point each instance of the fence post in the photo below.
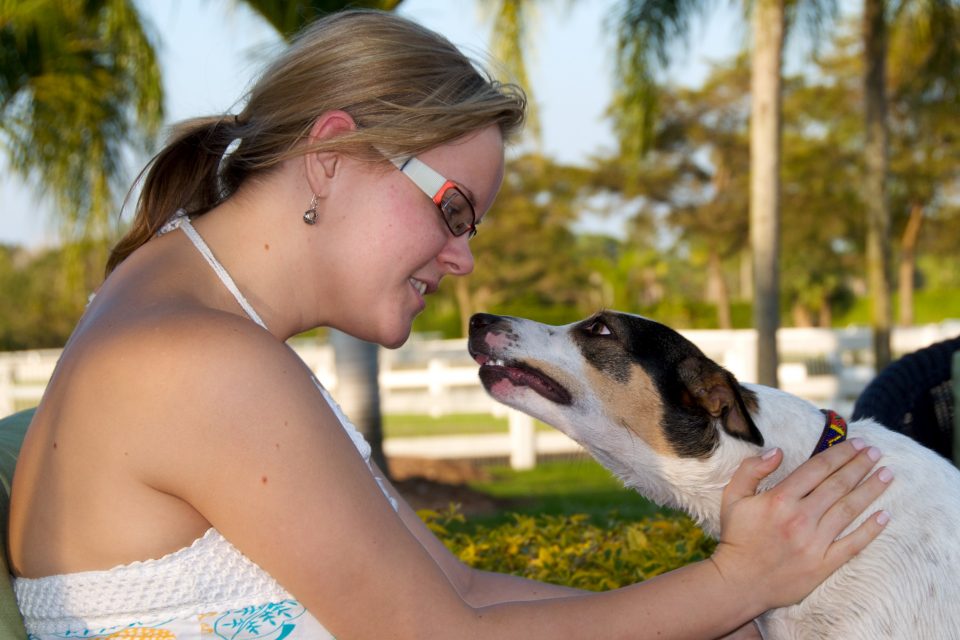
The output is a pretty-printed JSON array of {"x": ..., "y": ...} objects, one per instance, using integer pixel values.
[
  {"x": 523, "y": 440},
  {"x": 436, "y": 386}
]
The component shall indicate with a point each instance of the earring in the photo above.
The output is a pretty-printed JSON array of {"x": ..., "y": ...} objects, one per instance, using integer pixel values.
[{"x": 310, "y": 215}]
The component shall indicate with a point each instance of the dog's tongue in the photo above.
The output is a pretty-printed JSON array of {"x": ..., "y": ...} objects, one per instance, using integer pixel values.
[{"x": 524, "y": 377}]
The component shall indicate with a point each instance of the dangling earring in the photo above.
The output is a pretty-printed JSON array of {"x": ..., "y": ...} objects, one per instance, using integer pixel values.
[{"x": 310, "y": 215}]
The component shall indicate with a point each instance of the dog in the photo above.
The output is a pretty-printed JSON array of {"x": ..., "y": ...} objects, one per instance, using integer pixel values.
[{"x": 675, "y": 425}]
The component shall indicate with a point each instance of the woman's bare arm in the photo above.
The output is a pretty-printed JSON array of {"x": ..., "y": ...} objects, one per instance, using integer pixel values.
[{"x": 477, "y": 587}]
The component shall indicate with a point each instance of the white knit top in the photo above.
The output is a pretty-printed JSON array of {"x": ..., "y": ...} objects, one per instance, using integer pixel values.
[{"x": 207, "y": 590}]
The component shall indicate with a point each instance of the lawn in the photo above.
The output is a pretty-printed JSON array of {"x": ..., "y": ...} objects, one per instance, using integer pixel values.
[
  {"x": 568, "y": 487},
  {"x": 565, "y": 488},
  {"x": 412, "y": 426}
]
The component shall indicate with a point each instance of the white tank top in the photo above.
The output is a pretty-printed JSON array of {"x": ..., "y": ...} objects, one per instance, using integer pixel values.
[{"x": 207, "y": 590}]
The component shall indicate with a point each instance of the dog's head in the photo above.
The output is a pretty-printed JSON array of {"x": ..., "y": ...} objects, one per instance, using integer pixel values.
[{"x": 614, "y": 377}]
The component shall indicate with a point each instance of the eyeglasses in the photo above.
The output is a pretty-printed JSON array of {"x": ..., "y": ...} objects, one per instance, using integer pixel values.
[{"x": 454, "y": 206}]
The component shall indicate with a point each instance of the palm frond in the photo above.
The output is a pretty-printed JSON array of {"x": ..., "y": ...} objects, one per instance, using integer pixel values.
[
  {"x": 79, "y": 89},
  {"x": 645, "y": 31},
  {"x": 289, "y": 16},
  {"x": 509, "y": 44}
]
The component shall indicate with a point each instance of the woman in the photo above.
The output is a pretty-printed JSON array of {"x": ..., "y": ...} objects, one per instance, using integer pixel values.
[{"x": 185, "y": 474}]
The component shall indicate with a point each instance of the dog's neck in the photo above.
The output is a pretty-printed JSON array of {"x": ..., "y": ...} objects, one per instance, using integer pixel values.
[
  {"x": 696, "y": 485},
  {"x": 793, "y": 424}
]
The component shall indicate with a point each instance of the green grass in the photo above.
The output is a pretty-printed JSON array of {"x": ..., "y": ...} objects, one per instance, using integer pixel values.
[
  {"x": 580, "y": 486},
  {"x": 565, "y": 488},
  {"x": 411, "y": 426},
  {"x": 928, "y": 307}
]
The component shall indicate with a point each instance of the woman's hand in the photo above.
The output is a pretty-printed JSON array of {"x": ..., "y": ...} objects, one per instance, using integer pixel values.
[{"x": 780, "y": 544}]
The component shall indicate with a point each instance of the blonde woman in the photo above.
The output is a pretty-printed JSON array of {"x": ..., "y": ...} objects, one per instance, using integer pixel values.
[{"x": 186, "y": 476}]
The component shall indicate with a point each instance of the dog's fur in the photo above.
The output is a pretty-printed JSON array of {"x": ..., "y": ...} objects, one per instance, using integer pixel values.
[{"x": 674, "y": 425}]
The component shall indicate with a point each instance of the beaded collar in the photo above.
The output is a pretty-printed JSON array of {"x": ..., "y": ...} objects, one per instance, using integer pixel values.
[{"x": 834, "y": 432}]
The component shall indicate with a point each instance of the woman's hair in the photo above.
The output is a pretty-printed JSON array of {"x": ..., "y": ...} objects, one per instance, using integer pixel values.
[{"x": 407, "y": 88}]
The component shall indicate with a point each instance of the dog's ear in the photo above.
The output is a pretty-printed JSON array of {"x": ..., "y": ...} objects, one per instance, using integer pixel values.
[{"x": 716, "y": 390}]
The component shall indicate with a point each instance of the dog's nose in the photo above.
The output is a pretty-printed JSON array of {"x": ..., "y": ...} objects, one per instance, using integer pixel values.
[{"x": 480, "y": 321}]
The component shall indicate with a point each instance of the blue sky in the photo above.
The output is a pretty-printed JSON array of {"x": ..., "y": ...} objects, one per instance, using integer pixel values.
[{"x": 211, "y": 49}]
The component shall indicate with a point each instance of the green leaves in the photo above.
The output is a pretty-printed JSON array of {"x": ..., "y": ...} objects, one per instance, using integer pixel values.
[
  {"x": 570, "y": 550},
  {"x": 289, "y": 16},
  {"x": 79, "y": 89}
]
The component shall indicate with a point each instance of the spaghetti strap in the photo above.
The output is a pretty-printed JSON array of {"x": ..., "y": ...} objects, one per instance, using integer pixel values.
[{"x": 181, "y": 221}]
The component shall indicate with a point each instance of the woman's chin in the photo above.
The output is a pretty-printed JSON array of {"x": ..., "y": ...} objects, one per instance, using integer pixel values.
[
  {"x": 393, "y": 337},
  {"x": 395, "y": 342}
]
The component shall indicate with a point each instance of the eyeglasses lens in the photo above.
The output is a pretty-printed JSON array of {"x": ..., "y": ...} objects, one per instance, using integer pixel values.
[{"x": 457, "y": 212}]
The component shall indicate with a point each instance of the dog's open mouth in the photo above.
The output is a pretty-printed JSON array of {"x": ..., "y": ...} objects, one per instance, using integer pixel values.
[{"x": 493, "y": 370}]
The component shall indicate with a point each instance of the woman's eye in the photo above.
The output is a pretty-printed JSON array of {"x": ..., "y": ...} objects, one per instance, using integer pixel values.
[{"x": 598, "y": 328}]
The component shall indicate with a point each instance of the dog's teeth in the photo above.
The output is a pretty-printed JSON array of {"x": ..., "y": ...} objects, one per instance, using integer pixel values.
[{"x": 493, "y": 362}]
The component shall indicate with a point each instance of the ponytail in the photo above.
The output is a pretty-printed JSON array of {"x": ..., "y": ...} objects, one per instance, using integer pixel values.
[{"x": 184, "y": 175}]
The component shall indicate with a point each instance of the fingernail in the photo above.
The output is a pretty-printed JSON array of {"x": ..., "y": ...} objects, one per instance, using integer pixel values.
[
  {"x": 874, "y": 454},
  {"x": 858, "y": 443},
  {"x": 769, "y": 454},
  {"x": 885, "y": 475},
  {"x": 883, "y": 518}
]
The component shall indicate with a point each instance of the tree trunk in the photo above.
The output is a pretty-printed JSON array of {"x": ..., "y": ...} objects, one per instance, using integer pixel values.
[
  {"x": 802, "y": 316},
  {"x": 358, "y": 389},
  {"x": 875, "y": 161},
  {"x": 719, "y": 294},
  {"x": 746, "y": 275},
  {"x": 908, "y": 263},
  {"x": 768, "y": 33},
  {"x": 825, "y": 314}
]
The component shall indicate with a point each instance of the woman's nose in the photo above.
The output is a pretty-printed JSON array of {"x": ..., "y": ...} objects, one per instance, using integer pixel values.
[{"x": 457, "y": 256}]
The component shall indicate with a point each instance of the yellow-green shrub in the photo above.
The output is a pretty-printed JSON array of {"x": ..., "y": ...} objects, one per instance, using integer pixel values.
[{"x": 572, "y": 551}]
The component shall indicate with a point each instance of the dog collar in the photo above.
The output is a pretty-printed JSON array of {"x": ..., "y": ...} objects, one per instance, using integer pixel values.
[{"x": 834, "y": 432}]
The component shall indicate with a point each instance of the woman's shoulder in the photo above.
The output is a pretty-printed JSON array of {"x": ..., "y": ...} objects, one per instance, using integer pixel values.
[
  {"x": 168, "y": 340},
  {"x": 155, "y": 361},
  {"x": 190, "y": 380}
]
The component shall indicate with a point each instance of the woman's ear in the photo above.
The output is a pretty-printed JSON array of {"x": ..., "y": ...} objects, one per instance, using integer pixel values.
[{"x": 321, "y": 166}]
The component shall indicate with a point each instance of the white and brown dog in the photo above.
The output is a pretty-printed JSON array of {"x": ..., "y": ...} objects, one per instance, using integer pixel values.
[{"x": 674, "y": 425}]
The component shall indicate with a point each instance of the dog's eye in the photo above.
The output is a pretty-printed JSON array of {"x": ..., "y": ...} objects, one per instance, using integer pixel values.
[{"x": 597, "y": 328}]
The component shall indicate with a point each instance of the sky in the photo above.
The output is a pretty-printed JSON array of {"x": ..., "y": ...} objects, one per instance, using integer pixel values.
[{"x": 211, "y": 49}]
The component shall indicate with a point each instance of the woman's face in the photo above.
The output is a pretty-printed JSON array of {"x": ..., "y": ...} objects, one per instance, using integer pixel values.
[{"x": 395, "y": 247}]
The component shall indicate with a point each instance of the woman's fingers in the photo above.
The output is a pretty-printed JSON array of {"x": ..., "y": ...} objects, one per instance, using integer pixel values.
[
  {"x": 845, "y": 510},
  {"x": 854, "y": 542},
  {"x": 843, "y": 480},
  {"x": 813, "y": 473},
  {"x": 748, "y": 475}
]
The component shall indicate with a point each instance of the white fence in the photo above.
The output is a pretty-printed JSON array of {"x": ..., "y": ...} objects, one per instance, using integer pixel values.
[{"x": 437, "y": 377}]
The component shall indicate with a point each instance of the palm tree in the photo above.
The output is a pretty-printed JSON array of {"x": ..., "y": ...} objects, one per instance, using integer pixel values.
[
  {"x": 79, "y": 88},
  {"x": 923, "y": 87},
  {"x": 875, "y": 151},
  {"x": 646, "y": 28},
  {"x": 508, "y": 41},
  {"x": 769, "y": 26},
  {"x": 289, "y": 16},
  {"x": 935, "y": 25}
]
